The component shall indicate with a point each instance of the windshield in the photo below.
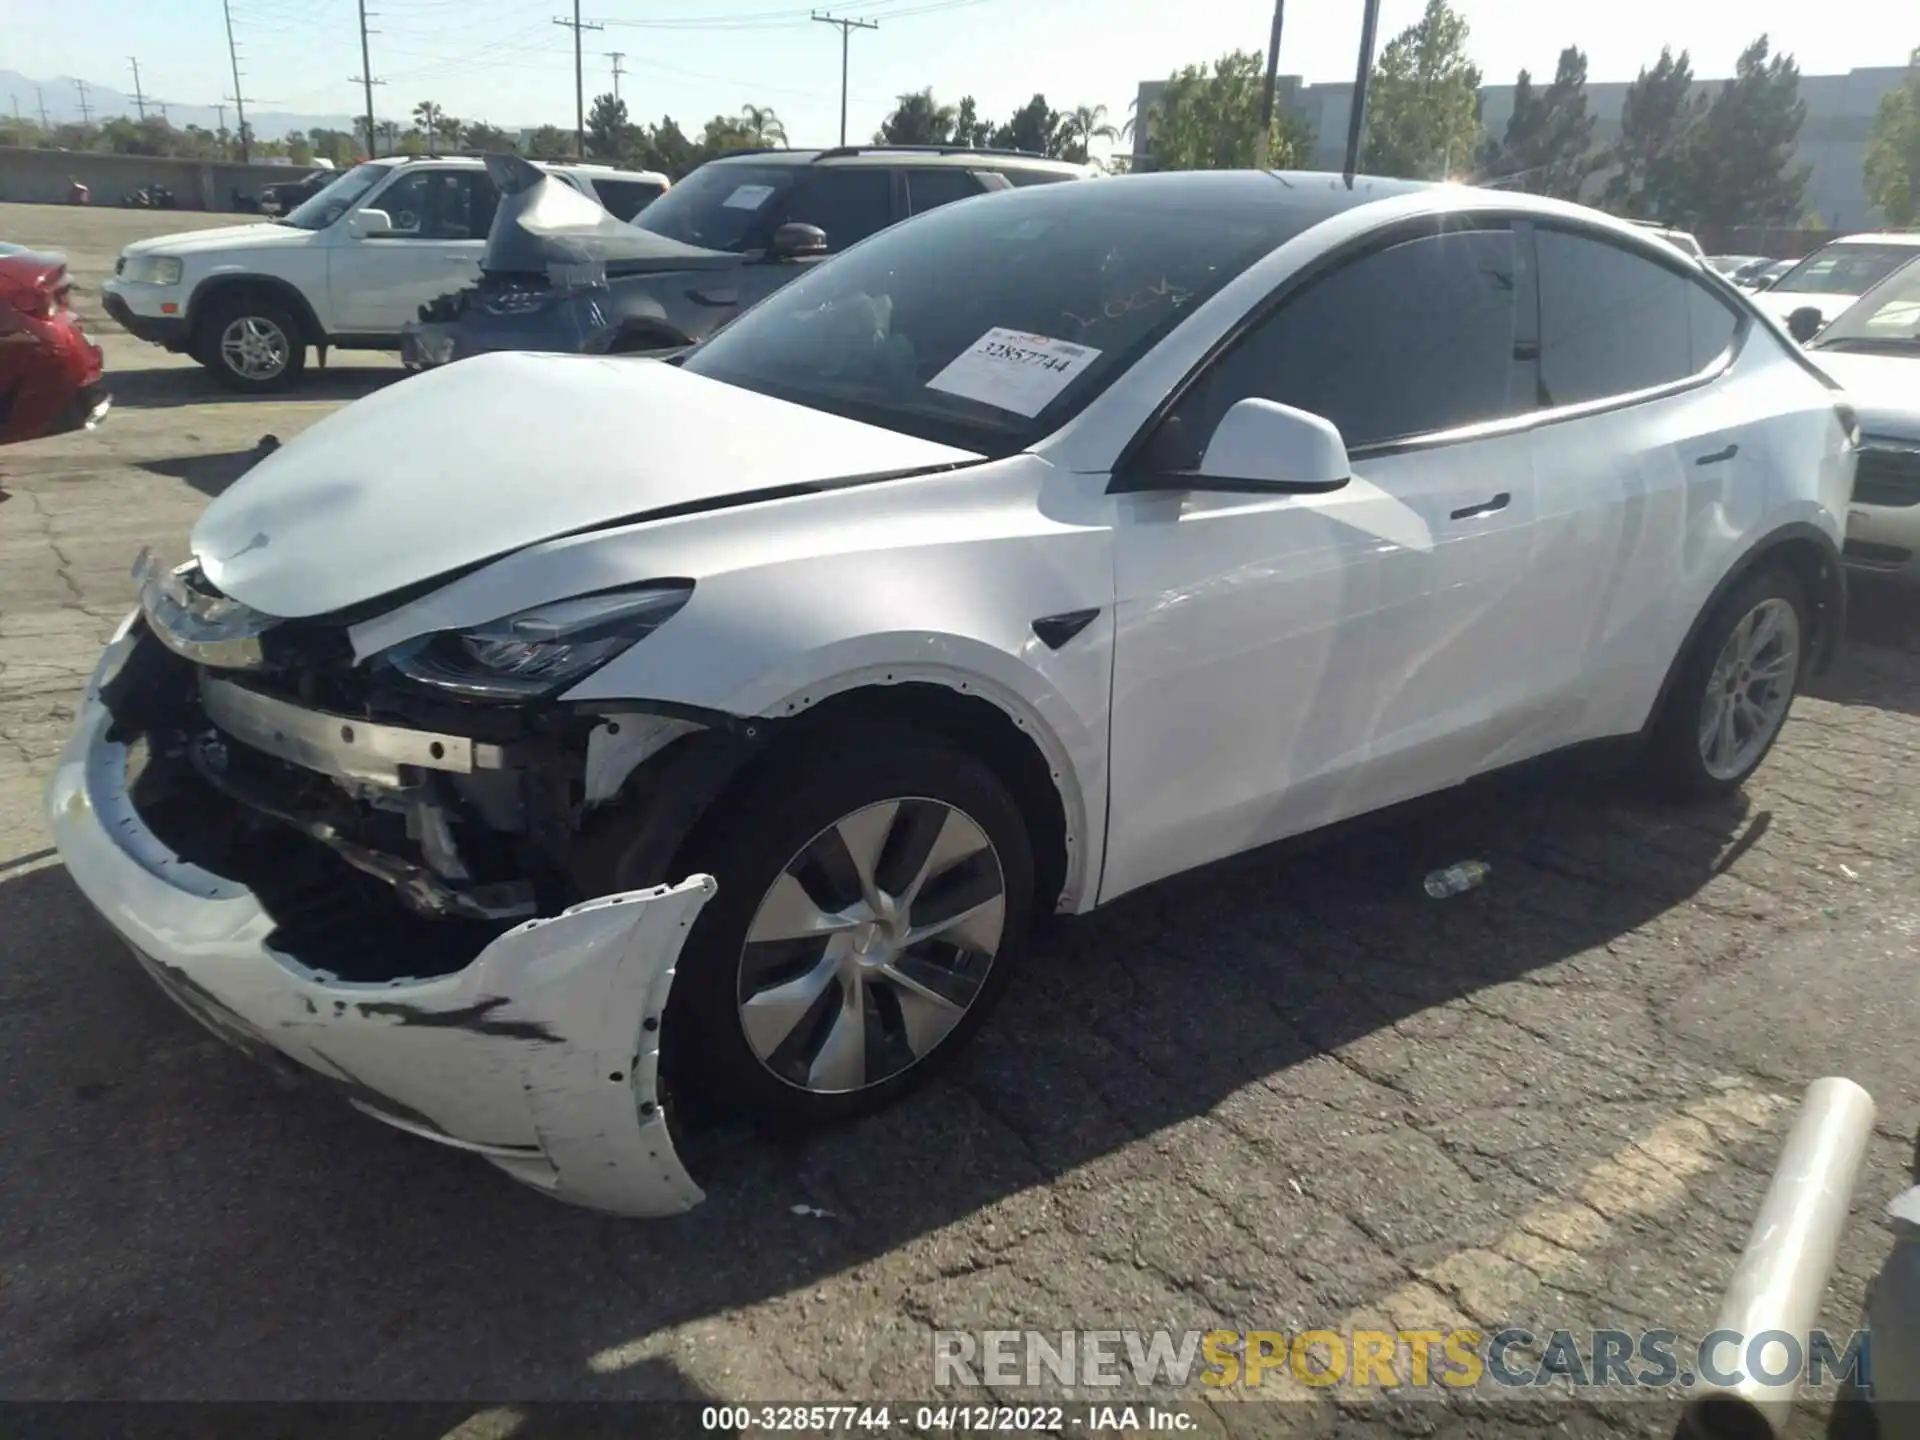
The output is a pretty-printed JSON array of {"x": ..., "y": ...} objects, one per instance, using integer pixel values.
[
  {"x": 1841, "y": 269},
  {"x": 717, "y": 206},
  {"x": 1887, "y": 315},
  {"x": 332, "y": 201},
  {"x": 986, "y": 324}
]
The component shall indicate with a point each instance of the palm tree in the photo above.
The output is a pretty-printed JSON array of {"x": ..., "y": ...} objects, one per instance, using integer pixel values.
[
  {"x": 426, "y": 119},
  {"x": 449, "y": 129},
  {"x": 390, "y": 132},
  {"x": 763, "y": 126},
  {"x": 1079, "y": 128}
]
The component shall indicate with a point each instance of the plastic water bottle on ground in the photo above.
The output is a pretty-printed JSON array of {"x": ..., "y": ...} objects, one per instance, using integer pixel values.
[{"x": 1467, "y": 875}]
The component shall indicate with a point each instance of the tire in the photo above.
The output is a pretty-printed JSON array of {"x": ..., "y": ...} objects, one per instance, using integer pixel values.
[
  {"x": 1683, "y": 759},
  {"x": 787, "y": 817},
  {"x": 264, "y": 318}
]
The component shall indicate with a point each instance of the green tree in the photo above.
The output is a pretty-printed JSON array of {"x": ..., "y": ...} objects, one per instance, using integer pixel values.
[
  {"x": 724, "y": 133},
  {"x": 481, "y": 136},
  {"x": 968, "y": 128},
  {"x": 917, "y": 119},
  {"x": 1892, "y": 170},
  {"x": 1079, "y": 128},
  {"x": 666, "y": 148},
  {"x": 550, "y": 142},
  {"x": 1660, "y": 121},
  {"x": 610, "y": 134},
  {"x": 1034, "y": 128},
  {"x": 1423, "y": 117},
  {"x": 762, "y": 126},
  {"x": 1743, "y": 166},
  {"x": 1209, "y": 119},
  {"x": 1548, "y": 145}
]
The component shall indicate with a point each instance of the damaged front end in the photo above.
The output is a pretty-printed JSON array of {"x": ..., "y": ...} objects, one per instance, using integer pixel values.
[{"x": 454, "y": 911}]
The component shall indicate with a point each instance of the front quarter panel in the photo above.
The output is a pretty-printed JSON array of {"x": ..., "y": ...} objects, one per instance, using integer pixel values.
[{"x": 932, "y": 579}]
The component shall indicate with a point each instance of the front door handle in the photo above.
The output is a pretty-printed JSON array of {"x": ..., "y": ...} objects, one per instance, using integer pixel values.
[
  {"x": 1485, "y": 507},
  {"x": 1719, "y": 455}
]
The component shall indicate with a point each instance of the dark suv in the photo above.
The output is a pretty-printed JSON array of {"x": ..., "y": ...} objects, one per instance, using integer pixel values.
[{"x": 560, "y": 274}]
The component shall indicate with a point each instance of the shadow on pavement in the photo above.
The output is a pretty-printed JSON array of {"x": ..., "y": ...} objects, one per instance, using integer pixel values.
[
  {"x": 209, "y": 474},
  {"x": 1881, "y": 661},
  {"x": 185, "y": 1227},
  {"x": 167, "y": 386}
]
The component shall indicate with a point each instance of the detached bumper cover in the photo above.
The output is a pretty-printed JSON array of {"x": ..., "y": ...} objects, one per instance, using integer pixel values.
[{"x": 542, "y": 1054}]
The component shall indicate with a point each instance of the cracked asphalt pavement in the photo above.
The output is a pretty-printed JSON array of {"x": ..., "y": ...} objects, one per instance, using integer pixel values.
[{"x": 1289, "y": 1092}]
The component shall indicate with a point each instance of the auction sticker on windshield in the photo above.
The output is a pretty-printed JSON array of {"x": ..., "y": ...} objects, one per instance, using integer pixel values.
[
  {"x": 747, "y": 197},
  {"x": 1012, "y": 370}
]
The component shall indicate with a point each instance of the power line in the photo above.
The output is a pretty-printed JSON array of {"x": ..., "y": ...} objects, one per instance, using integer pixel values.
[
  {"x": 617, "y": 56},
  {"x": 86, "y": 116},
  {"x": 577, "y": 25},
  {"x": 846, "y": 28},
  {"x": 139, "y": 100}
]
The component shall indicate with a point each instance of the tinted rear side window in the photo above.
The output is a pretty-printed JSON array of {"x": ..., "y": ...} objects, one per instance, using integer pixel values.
[
  {"x": 930, "y": 189},
  {"x": 1611, "y": 322},
  {"x": 627, "y": 198},
  {"x": 1711, "y": 324},
  {"x": 848, "y": 204},
  {"x": 1410, "y": 340}
]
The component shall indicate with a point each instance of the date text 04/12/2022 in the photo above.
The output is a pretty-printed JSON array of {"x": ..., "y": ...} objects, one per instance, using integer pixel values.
[{"x": 983, "y": 1419}]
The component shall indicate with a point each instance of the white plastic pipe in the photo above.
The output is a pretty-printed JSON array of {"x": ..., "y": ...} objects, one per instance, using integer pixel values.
[{"x": 1783, "y": 1273}]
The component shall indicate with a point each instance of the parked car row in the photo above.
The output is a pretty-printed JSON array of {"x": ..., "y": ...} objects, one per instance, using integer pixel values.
[{"x": 1031, "y": 551}]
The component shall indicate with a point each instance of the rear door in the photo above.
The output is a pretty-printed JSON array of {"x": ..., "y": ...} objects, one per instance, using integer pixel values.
[
  {"x": 1640, "y": 466},
  {"x": 440, "y": 217}
]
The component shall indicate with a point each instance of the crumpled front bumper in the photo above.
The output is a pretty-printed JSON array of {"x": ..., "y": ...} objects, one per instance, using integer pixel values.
[{"x": 542, "y": 1054}]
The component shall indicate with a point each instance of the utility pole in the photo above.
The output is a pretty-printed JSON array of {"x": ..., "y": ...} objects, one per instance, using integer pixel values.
[
  {"x": 1263, "y": 139},
  {"x": 577, "y": 25},
  {"x": 239, "y": 95},
  {"x": 365, "y": 77},
  {"x": 617, "y": 56},
  {"x": 161, "y": 106},
  {"x": 139, "y": 100},
  {"x": 40, "y": 99},
  {"x": 847, "y": 27},
  {"x": 221, "y": 110},
  {"x": 1357, "y": 116},
  {"x": 86, "y": 116}
]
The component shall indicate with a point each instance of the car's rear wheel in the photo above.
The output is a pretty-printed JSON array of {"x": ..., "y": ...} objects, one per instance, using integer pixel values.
[
  {"x": 874, "y": 893},
  {"x": 1735, "y": 687},
  {"x": 252, "y": 343}
]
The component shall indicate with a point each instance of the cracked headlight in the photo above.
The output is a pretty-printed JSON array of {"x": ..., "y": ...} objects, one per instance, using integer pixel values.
[
  {"x": 541, "y": 650},
  {"x": 152, "y": 270}
]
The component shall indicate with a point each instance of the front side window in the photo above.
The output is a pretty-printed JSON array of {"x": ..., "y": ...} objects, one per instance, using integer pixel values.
[
  {"x": 1844, "y": 269},
  {"x": 336, "y": 199},
  {"x": 1411, "y": 340},
  {"x": 1886, "y": 318},
  {"x": 848, "y": 204},
  {"x": 1614, "y": 322},
  {"x": 439, "y": 205}
]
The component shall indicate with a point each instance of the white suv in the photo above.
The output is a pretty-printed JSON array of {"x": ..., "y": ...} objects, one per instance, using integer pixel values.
[{"x": 348, "y": 268}]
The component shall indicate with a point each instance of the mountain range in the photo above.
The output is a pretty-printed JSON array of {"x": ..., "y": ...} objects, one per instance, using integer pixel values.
[{"x": 24, "y": 96}]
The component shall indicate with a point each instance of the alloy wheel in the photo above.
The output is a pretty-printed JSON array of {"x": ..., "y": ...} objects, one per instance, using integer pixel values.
[
  {"x": 871, "y": 945},
  {"x": 1750, "y": 688},
  {"x": 255, "y": 348}
]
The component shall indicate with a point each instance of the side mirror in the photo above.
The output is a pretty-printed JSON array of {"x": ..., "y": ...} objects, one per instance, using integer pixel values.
[
  {"x": 794, "y": 240},
  {"x": 367, "y": 223},
  {"x": 1261, "y": 446},
  {"x": 1804, "y": 323}
]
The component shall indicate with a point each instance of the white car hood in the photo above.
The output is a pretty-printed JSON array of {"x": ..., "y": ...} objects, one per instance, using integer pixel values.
[
  {"x": 1884, "y": 389},
  {"x": 475, "y": 460},
  {"x": 249, "y": 236}
]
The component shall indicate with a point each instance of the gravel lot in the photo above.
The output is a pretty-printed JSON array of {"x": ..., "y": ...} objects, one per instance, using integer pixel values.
[{"x": 1285, "y": 1093}]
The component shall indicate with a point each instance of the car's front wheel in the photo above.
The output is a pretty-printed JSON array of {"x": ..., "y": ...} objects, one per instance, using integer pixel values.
[
  {"x": 253, "y": 344},
  {"x": 874, "y": 893},
  {"x": 1735, "y": 687}
]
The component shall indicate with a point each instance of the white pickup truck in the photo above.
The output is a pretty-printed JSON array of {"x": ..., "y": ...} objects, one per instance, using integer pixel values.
[{"x": 346, "y": 269}]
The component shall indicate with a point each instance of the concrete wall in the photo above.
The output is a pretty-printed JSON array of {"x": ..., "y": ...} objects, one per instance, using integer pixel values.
[
  {"x": 1833, "y": 139},
  {"x": 43, "y": 177}
]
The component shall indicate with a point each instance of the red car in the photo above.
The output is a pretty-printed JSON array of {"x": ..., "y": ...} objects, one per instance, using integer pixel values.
[{"x": 50, "y": 372}]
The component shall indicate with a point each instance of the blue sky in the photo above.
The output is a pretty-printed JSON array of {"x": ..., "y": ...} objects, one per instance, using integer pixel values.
[{"x": 505, "y": 61}]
